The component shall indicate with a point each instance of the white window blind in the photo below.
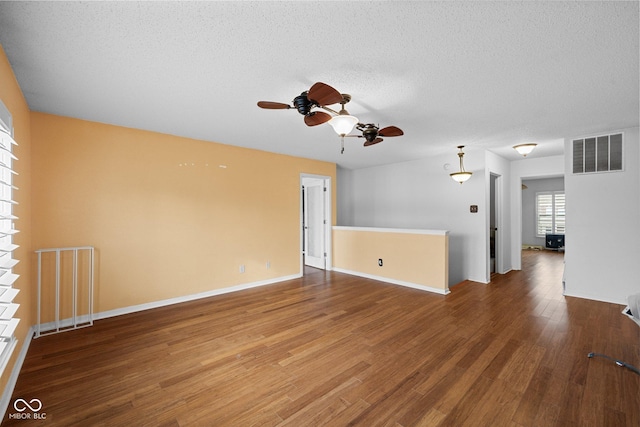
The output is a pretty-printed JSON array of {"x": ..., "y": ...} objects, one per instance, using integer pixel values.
[
  {"x": 550, "y": 213},
  {"x": 8, "y": 308}
]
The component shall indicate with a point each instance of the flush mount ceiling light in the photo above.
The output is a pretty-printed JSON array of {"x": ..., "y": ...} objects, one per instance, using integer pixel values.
[
  {"x": 463, "y": 175},
  {"x": 525, "y": 149}
]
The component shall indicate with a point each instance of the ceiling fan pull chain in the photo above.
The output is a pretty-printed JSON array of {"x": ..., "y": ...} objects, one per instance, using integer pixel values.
[{"x": 342, "y": 144}]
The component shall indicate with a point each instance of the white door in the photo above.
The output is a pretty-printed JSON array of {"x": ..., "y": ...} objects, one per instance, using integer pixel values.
[{"x": 314, "y": 223}]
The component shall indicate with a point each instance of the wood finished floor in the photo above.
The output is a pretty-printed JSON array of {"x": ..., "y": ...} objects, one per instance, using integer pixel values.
[{"x": 333, "y": 349}]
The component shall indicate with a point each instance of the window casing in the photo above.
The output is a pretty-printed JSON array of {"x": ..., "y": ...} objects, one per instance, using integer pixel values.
[{"x": 550, "y": 213}]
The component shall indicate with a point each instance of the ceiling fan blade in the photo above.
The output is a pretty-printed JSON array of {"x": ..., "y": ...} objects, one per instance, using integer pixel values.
[
  {"x": 390, "y": 131},
  {"x": 316, "y": 118},
  {"x": 375, "y": 141},
  {"x": 323, "y": 94},
  {"x": 273, "y": 105}
]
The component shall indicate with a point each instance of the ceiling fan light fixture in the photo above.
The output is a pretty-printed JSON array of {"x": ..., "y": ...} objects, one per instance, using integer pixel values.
[
  {"x": 343, "y": 123},
  {"x": 463, "y": 175},
  {"x": 525, "y": 149}
]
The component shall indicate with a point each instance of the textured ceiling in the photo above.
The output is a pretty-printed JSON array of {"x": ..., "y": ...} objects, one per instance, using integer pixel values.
[{"x": 481, "y": 74}]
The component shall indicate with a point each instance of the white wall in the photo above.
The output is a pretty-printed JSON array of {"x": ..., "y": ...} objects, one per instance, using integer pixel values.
[
  {"x": 603, "y": 213},
  {"x": 419, "y": 194},
  {"x": 344, "y": 196},
  {"x": 602, "y": 259},
  {"x": 542, "y": 167}
]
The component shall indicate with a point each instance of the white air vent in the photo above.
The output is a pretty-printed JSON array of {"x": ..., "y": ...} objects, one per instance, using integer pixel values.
[{"x": 597, "y": 154}]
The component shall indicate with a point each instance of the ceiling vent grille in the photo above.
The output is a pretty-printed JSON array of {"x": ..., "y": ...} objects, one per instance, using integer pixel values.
[{"x": 597, "y": 154}]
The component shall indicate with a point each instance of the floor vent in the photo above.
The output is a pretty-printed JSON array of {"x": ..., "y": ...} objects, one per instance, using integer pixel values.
[{"x": 597, "y": 154}]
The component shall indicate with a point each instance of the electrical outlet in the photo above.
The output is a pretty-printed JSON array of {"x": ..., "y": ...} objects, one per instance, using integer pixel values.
[
  {"x": 241, "y": 268},
  {"x": 380, "y": 262}
]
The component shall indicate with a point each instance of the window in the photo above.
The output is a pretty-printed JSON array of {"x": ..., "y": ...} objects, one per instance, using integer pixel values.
[
  {"x": 8, "y": 308},
  {"x": 550, "y": 215}
]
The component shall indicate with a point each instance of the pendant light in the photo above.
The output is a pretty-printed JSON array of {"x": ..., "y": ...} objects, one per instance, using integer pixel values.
[
  {"x": 525, "y": 149},
  {"x": 343, "y": 123},
  {"x": 463, "y": 175}
]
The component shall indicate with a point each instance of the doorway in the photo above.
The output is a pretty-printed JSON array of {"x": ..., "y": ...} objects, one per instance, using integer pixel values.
[
  {"x": 494, "y": 252},
  {"x": 316, "y": 221}
]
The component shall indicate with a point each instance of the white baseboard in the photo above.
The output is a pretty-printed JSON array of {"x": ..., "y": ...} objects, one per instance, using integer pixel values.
[
  {"x": 66, "y": 323},
  {"x": 593, "y": 297},
  {"x": 5, "y": 401},
  {"x": 394, "y": 281}
]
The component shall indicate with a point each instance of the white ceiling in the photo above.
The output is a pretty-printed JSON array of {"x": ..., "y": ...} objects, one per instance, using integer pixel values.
[{"x": 482, "y": 74}]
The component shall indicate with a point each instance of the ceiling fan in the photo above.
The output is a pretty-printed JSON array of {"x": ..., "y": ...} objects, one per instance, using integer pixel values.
[
  {"x": 321, "y": 95},
  {"x": 373, "y": 134}
]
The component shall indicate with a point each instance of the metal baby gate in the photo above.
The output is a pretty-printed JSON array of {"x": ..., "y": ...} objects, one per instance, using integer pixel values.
[{"x": 65, "y": 289}]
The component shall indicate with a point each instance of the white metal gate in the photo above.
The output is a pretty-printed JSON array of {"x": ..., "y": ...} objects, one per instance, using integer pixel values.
[{"x": 65, "y": 289}]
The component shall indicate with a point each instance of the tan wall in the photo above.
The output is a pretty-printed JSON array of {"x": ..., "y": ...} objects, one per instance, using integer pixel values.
[
  {"x": 12, "y": 98},
  {"x": 165, "y": 218},
  {"x": 410, "y": 257}
]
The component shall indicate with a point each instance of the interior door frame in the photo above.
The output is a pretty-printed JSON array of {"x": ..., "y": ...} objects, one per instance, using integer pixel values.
[
  {"x": 328, "y": 223},
  {"x": 516, "y": 256},
  {"x": 498, "y": 213}
]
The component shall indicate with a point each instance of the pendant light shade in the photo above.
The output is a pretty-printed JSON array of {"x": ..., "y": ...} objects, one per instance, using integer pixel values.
[
  {"x": 343, "y": 123},
  {"x": 463, "y": 175},
  {"x": 460, "y": 176},
  {"x": 525, "y": 149}
]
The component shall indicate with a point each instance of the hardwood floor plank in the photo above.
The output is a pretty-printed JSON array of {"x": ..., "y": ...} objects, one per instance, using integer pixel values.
[
  {"x": 520, "y": 368},
  {"x": 547, "y": 415},
  {"x": 531, "y": 402},
  {"x": 334, "y": 349},
  {"x": 431, "y": 418},
  {"x": 388, "y": 405},
  {"x": 463, "y": 411},
  {"x": 345, "y": 417},
  {"x": 497, "y": 406},
  {"x": 321, "y": 389},
  {"x": 328, "y": 408}
]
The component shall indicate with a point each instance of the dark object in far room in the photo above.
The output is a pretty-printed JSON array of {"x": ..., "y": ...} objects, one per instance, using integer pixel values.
[{"x": 554, "y": 241}]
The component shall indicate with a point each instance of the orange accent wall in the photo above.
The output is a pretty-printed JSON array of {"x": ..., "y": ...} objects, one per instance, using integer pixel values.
[
  {"x": 408, "y": 256},
  {"x": 169, "y": 216},
  {"x": 12, "y": 97}
]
